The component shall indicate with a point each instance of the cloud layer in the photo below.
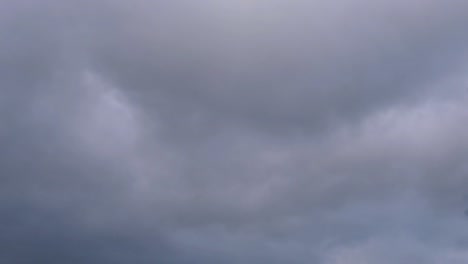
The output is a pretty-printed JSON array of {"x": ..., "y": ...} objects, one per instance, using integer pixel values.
[{"x": 233, "y": 131}]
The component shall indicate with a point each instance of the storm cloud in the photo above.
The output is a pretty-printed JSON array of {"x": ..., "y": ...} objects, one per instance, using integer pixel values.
[{"x": 233, "y": 131}]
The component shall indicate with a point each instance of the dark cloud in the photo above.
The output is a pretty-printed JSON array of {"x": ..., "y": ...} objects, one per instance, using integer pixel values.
[
  {"x": 277, "y": 66},
  {"x": 233, "y": 131}
]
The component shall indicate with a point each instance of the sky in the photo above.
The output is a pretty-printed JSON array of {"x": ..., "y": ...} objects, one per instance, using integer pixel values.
[{"x": 233, "y": 131}]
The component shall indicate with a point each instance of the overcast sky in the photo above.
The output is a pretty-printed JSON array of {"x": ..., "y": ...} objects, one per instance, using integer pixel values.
[{"x": 233, "y": 131}]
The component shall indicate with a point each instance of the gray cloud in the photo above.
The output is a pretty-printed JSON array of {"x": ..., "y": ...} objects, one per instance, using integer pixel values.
[{"x": 233, "y": 131}]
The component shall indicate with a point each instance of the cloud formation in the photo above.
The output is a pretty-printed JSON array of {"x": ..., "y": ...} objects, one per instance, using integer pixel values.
[{"x": 233, "y": 131}]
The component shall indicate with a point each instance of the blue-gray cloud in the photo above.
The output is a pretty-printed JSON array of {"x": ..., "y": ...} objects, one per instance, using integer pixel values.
[{"x": 233, "y": 131}]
